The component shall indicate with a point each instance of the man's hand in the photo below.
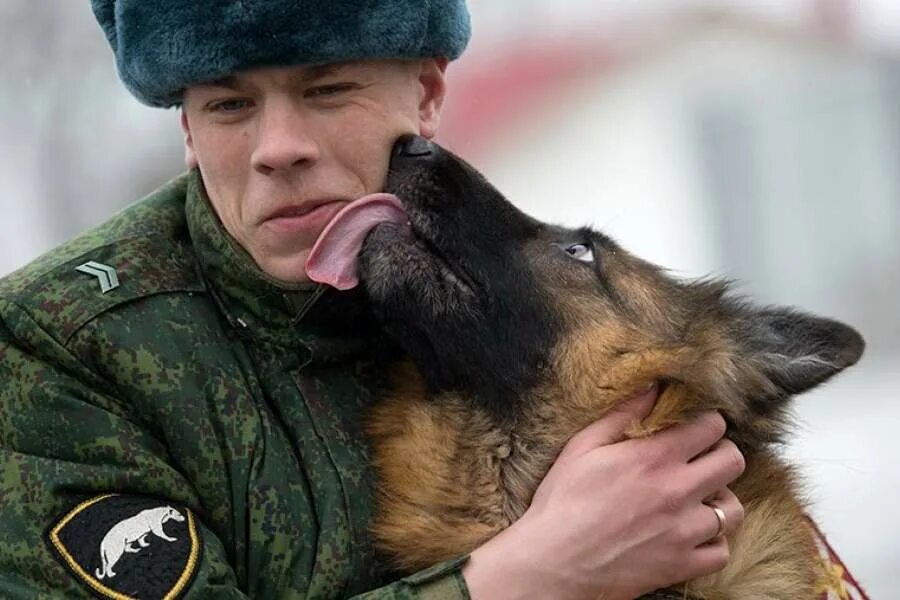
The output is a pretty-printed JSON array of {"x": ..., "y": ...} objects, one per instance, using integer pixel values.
[{"x": 616, "y": 518}]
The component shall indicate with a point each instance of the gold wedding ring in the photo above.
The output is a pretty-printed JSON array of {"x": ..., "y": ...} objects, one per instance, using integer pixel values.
[{"x": 720, "y": 517}]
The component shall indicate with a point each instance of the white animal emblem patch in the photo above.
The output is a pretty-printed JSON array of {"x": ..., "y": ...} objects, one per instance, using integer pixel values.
[
  {"x": 133, "y": 530},
  {"x": 126, "y": 547}
]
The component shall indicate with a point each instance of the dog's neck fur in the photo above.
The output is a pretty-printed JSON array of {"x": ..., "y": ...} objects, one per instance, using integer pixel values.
[{"x": 485, "y": 474}]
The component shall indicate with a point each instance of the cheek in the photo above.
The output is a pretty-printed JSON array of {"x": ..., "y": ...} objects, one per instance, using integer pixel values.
[
  {"x": 368, "y": 148},
  {"x": 374, "y": 165},
  {"x": 223, "y": 159},
  {"x": 224, "y": 149}
]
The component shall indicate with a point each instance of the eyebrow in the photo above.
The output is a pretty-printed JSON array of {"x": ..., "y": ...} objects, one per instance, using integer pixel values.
[
  {"x": 320, "y": 71},
  {"x": 312, "y": 73}
]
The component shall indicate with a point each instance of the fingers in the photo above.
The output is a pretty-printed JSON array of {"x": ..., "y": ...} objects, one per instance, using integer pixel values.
[
  {"x": 700, "y": 525},
  {"x": 711, "y": 550},
  {"x": 732, "y": 512},
  {"x": 708, "y": 558},
  {"x": 610, "y": 428},
  {"x": 714, "y": 470},
  {"x": 688, "y": 440}
]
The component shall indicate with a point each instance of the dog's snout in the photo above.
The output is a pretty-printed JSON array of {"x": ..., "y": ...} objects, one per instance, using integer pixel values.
[{"x": 413, "y": 146}]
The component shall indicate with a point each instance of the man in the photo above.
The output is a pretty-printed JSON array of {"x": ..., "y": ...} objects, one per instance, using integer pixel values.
[{"x": 182, "y": 408}]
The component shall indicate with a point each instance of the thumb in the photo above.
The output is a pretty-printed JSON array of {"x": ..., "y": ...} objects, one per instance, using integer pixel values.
[{"x": 611, "y": 427}]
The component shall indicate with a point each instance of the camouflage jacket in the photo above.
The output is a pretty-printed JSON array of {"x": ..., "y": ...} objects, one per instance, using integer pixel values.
[{"x": 193, "y": 431}]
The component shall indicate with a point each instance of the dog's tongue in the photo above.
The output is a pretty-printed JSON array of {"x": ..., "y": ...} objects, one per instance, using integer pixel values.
[{"x": 333, "y": 258}]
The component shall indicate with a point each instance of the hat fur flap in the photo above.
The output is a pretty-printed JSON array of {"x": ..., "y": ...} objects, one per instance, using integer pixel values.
[{"x": 163, "y": 46}]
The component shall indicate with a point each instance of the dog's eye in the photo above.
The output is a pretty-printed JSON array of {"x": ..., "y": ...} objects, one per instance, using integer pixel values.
[{"x": 582, "y": 252}]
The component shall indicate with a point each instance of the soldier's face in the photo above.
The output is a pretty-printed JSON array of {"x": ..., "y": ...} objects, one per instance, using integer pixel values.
[{"x": 282, "y": 150}]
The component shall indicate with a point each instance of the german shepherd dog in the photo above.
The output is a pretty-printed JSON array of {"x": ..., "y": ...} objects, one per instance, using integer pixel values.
[{"x": 520, "y": 334}]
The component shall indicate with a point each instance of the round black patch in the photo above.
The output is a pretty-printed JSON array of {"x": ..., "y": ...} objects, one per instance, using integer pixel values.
[{"x": 129, "y": 546}]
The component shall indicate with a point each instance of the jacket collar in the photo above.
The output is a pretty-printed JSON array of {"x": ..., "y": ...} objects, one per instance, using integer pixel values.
[{"x": 329, "y": 323}]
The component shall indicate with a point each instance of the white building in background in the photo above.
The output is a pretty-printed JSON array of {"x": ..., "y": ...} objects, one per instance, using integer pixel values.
[
  {"x": 717, "y": 145},
  {"x": 727, "y": 145}
]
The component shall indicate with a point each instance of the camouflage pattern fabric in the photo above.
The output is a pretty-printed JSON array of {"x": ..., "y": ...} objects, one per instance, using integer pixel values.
[{"x": 199, "y": 382}]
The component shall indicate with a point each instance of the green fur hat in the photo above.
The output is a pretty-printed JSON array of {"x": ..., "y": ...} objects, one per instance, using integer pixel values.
[{"x": 162, "y": 46}]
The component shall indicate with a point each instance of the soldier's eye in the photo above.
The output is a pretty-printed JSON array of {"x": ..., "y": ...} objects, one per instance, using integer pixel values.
[
  {"x": 325, "y": 91},
  {"x": 229, "y": 106},
  {"x": 582, "y": 252}
]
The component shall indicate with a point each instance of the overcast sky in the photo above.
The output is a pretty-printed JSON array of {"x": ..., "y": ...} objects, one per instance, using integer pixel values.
[{"x": 879, "y": 20}]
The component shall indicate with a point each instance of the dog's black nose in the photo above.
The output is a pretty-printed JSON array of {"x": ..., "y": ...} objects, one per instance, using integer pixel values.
[{"x": 412, "y": 146}]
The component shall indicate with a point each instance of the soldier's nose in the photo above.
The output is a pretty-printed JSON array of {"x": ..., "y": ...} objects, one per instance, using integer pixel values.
[{"x": 412, "y": 146}]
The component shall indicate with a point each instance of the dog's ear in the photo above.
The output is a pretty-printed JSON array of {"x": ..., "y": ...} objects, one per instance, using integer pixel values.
[{"x": 798, "y": 351}]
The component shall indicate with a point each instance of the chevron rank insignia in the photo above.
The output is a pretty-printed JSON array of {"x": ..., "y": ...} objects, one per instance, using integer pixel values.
[
  {"x": 104, "y": 273},
  {"x": 125, "y": 547}
]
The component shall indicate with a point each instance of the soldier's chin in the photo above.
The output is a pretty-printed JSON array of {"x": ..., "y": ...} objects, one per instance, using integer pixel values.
[{"x": 289, "y": 267}]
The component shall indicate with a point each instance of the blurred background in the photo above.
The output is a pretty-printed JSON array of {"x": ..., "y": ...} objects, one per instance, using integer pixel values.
[{"x": 757, "y": 140}]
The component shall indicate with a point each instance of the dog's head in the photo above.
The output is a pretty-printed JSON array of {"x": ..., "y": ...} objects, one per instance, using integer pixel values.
[
  {"x": 491, "y": 302},
  {"x": 172, "y": 514}
]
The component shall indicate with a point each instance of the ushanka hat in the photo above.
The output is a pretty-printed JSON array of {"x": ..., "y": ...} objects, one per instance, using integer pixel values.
[{"x": 163, "y": 46}]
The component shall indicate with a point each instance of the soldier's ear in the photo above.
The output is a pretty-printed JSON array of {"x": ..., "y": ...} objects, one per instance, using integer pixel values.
[
  {"x": 431, "y": 79},
  {"x": 798, "y": 351},
  {"x": 190, "y": 157}
]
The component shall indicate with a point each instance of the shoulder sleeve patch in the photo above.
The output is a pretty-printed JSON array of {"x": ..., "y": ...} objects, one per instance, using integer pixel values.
[{"x": 125, "y": 547}]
